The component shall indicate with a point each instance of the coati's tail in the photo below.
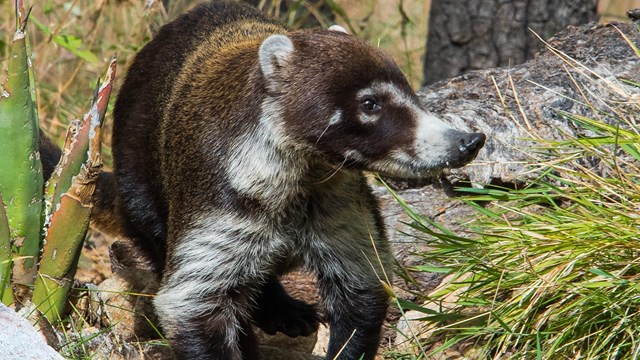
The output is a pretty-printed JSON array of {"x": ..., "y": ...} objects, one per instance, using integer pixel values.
[
  {"x": 105, "y": 214},
  {"x": 49, "y": 155}
]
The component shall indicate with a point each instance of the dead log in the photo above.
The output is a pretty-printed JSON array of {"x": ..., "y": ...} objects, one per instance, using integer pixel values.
[
  {"x": 514, "y": 103},
  {"x": 510, "y": 105}
]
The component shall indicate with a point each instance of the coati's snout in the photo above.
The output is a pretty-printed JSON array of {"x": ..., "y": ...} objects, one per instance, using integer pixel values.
[
  {"x": 465, "y": 147},
  {"x": 427, "y": 146}
]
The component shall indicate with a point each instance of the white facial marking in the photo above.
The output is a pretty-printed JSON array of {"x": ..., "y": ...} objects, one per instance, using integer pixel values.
[
  {"x": 335, "y": 118},
  {"x": 367, "y": 119},
  {"x": 431, "y": 143},
  {"x": 431, "y": 146}
]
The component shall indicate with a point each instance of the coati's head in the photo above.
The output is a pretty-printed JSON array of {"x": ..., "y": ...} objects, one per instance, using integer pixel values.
[{"x": 348, "y": 100}]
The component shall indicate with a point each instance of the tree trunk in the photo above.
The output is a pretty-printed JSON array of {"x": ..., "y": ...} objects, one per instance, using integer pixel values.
[{"x": 467, "y": 35}]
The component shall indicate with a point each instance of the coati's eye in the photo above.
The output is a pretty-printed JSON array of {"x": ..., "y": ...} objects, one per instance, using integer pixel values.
[{"x": 370, "y": 106}]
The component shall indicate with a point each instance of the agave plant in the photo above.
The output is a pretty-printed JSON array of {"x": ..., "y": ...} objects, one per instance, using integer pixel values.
[
  {"x": 42, "y": 230},
  {"x": 21, "y": 175}
]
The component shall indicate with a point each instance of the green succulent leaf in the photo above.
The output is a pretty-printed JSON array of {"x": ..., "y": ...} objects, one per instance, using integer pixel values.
[{"x": 21, "y": 169}]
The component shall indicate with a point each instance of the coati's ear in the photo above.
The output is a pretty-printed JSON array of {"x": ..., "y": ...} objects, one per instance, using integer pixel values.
[
  {"x": 274, "y": 54},
  {"x": 338, "y": 28}
]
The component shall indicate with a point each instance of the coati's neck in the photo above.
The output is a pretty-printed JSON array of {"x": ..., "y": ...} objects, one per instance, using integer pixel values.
[{"x": 265, "y": 164}]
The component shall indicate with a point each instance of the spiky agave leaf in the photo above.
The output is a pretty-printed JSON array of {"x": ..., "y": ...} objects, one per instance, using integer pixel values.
[
  {"x": 6, "y": 293},
  {"x": 75, "y": 153},
  {"x": 70, "y": 220},
  {"x": 20, "y": 166}
]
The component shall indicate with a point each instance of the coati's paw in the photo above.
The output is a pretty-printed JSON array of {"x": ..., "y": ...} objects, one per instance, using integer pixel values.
[
  {"x": 277, "y": 311},
  {"x": 287, "y": 315}
]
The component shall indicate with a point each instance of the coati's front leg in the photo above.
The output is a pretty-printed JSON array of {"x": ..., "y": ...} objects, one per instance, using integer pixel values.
[
  {"x": 355, "y": 319},
  {"x": 212, "y": 279},
  {"x": 346, "y": 246},
  {"x": 356, "y": 309},
  {"x": 349, "y": 272}
]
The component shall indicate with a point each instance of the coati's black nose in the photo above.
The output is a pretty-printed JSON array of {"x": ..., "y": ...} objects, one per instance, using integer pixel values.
[
  {"x": 471, "y": 143},
  {"x": 468, "y": 145}
]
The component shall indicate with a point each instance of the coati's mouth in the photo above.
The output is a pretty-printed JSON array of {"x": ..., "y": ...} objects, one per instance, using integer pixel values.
[{"x": 459, "y": 153}]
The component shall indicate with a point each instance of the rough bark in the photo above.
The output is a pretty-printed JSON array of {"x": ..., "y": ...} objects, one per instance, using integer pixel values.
[
  {"x": 544, "y": 87},
  {"x": 467, "y": 35}
]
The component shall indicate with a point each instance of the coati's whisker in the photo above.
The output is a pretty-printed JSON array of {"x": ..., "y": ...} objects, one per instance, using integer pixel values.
[{"x": 334, "y": 172}]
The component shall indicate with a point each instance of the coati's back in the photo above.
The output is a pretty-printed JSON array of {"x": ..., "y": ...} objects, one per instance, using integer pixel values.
[{"x": 140, "y": 109}]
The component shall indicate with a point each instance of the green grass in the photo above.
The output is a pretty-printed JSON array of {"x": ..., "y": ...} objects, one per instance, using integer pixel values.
[{"x": 551, "y": 270}]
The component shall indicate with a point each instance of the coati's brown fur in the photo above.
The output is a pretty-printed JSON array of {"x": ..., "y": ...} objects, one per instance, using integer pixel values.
[{"x": 238, "y": 149}]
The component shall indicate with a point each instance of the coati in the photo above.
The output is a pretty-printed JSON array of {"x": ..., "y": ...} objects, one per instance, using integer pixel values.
[{"x": 238, "y": 148}]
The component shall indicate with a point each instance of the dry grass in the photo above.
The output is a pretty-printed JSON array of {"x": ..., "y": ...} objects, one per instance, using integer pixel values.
[
  {"x": 552, "y": 269},
  {"x": 72, "y": 42}
]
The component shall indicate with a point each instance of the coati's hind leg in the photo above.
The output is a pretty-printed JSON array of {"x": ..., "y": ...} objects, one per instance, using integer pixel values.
[{"x": 277, "y": 311}]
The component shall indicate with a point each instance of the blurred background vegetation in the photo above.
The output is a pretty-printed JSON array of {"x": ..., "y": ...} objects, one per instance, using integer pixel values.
[{"x": 72, "y": 40}]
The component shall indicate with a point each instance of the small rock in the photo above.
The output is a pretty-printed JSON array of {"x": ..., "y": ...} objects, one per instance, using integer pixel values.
[{"x": 19, "y": 340}]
